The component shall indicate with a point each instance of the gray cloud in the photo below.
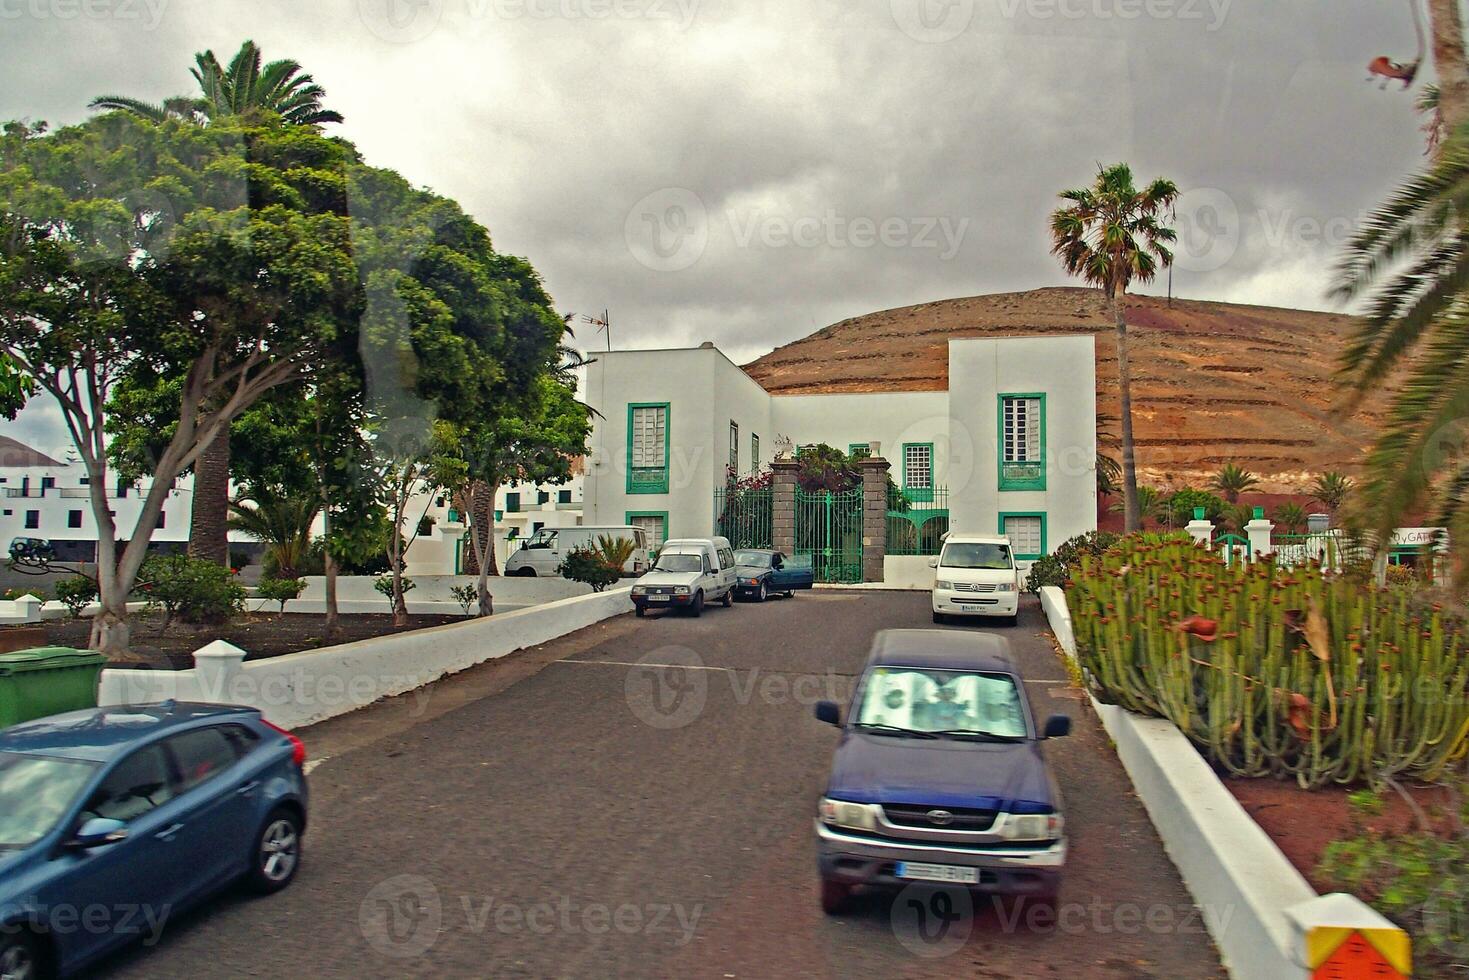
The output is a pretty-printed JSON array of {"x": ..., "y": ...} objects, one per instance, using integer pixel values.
[{"x": 550, "y": 120}]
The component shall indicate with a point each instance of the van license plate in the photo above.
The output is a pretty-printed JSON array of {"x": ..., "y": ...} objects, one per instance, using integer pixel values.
[
  {"x": 938, "y": 872},
  {"x": 657, "y": 598}
]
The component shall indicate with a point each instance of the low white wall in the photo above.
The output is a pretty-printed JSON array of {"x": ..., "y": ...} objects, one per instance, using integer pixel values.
[
  {"x": 1255, "y": 904},
  {"x": 511, "y": 590},
  {"x": 304, "y": 688}
]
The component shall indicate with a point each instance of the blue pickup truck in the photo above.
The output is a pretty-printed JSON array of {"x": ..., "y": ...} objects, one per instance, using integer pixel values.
[
  {"x": 939, "y": 774},
  {"x": 760, "y": 572}
]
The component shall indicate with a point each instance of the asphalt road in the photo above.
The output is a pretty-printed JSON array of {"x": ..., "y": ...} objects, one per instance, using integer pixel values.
[{"x": 567, "y": 813}]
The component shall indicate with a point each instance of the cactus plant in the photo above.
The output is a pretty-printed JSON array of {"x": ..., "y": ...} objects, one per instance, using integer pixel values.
[{"x": 1286, "y": 672}]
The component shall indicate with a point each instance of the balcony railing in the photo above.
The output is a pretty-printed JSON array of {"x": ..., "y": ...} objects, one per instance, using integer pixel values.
[{"x": 34, "y": 492}]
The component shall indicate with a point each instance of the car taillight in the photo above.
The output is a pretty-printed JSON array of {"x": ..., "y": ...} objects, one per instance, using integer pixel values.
[{"x": 298, "y": 747}]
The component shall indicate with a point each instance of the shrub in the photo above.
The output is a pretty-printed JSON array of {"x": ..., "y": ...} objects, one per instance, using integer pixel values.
[
  {"x": 281, "y": 590},
  {"x": 614, "y": 551},
  {"x": 13, "y": 594},
  {"x": 1058, "y": 567},
  {"x": 75, "y": 593},
  {"x": 1178, "y": 508},
  {"x": 192, "y": 590},
  {"x": 1286, "y": 672},
  {"x": 384, "y": 585},
  {"x": 465, "y": 595},
  {"x": 587, "y": 566}
]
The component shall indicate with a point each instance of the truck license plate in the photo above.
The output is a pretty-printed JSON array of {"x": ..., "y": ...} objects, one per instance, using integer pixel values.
[{"x": 938, "y": 872}]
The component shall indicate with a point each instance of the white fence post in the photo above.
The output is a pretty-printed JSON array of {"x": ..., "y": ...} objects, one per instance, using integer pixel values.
[
  {"x": 1259, "y": 531},
  {"x": 1200, "y": 529}
]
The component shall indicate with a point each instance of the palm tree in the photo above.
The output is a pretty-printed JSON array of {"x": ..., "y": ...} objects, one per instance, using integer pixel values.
[
  {"x": 1452, "y": 91},
  {"x": 1291, "y": 516},
  {"x": 1111, "y": 235},
  {"x": 278, "y": 87},
  {"x": 1150, "y": 502},
  {"x": 1232, "y": 481},
  {"x": 282, "y": 521},
  {"x": 1331, "y": 490},
  {"x": 245, "y": 86}
]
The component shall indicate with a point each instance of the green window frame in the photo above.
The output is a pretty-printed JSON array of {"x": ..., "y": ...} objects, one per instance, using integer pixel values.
[
  {"x": 734, "y": 447},
  {"x": 859, "y": 450},
  {"x": 652, "y": 475},
  {"x": 660, "y": 514},
  {"x": 754, "y": 453},
  {"x": 1026, "y": 556},
  {"x": 917, "y": 493},
  {"x": 563, "y": 496},
  {"x": 512, "y": 502},
  {"x": 1026, "y": 473}
]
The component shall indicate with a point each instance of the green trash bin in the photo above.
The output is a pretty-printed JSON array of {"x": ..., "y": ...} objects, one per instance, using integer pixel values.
[{"x": 47, "y": 681}]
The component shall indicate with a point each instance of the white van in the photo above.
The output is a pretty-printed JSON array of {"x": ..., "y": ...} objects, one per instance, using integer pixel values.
[
  {"x": 543, "y": 552},
  {"x": 976, "y": 576},
  {"x": 689, "y": 573}
]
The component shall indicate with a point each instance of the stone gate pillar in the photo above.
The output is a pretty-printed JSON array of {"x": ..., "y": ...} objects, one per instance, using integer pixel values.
[
  {"x": 783, "y": 510},
  {"x": 874, "y": 516}
]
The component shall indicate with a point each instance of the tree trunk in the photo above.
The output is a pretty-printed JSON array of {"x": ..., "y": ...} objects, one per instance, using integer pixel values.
[
  {"x": 111, "y": 631},
  {"x": 1449, "y": 62},
  {"x": 329, "y": 569},
  {"x": 209, "y": 522},
  {"x": 481, "y": 533},
  {"x": 1131, "y": 510}
]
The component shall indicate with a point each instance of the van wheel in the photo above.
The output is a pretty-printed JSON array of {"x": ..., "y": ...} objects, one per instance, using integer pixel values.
[
  {"x": 938, "y": 617},
  {"x": 697, "y": 606},
  {"x": 527, "y": 573},
  {"x": 639, "y": 611},
  {"x": 729, "y": 598}
]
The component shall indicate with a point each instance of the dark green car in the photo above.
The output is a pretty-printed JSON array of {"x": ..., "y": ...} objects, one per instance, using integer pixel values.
[{"x": 760, "y": 572}]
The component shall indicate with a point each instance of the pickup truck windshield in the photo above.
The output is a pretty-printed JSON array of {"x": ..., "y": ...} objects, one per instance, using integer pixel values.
[
  {"x": 35, "y": 792},
  {"x": 679, "y": 563},
  {"x": 995, "y": 557},
  {"x": 918, "y": 700}
]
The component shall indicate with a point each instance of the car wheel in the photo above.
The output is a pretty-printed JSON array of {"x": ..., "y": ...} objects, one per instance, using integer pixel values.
[
  {"x": 760, "y": 595},
  {"x": 20, "y": 958},
  {"x": 790, "y": 593},
  {"x": 277, "y": 852},
  {"x": 834, "y": 897},
  {"x": 697, "y": 606}
]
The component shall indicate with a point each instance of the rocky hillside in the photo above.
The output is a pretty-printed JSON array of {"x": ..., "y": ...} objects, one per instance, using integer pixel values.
[{"x": 1212, "y": 382}]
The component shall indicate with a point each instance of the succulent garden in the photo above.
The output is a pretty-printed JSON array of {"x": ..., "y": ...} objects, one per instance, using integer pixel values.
[{"x": 1273, "y": 671}]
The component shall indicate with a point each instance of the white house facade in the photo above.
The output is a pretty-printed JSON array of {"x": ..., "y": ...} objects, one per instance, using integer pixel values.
[
  {"x": 521, "y": 509},
  {"x": 1010, "y": 446}
]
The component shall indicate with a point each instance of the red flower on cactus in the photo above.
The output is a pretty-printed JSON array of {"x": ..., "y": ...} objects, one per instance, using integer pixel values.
[{"x": 1204, "y": 629}]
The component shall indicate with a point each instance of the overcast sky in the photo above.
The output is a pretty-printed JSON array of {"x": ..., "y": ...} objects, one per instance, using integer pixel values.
[{"x": 748, "y": 171}]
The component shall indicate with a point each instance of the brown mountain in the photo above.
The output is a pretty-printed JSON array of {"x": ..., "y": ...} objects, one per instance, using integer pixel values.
[{"x": 1213, "y": 383}]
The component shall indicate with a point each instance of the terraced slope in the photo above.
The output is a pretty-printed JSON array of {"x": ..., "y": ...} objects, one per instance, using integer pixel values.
[{"x": 1212, "y": 382}]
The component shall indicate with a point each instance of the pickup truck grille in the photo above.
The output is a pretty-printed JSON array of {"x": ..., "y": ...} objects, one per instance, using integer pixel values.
[
  {"x": 974, "y": 587},
  {"x": 917, "y": 817}
]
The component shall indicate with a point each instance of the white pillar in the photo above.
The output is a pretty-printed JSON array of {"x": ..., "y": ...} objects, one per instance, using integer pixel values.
[
  {"x": 215, "y": 667},
  {"x": 1259, "y": 531},
  {"x": 1201, "y": 530},
  {"x": 29, "y": 606}
]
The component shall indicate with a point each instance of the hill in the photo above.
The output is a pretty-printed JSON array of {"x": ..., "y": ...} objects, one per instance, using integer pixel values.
[{"x": 1213, "y": 383}]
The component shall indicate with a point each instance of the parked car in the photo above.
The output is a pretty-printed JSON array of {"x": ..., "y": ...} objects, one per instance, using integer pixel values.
[
  {"x": 543, "y": 552},
  {"x": 760, "y": 572},
  {"x": 116, "y": 818},
  {"x": 976, "y": 576},
  {"x": 32, "y": 551},
  {"x": 939, "y": 774},
  {"x": 689, "y": 572}
]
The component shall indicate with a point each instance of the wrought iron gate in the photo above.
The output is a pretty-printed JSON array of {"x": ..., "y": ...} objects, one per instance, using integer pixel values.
[{"x": 829, "y": 531}]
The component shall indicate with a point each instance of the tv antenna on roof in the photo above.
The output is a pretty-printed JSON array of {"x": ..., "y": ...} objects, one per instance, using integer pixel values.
[{"x": 605, "y": 323}]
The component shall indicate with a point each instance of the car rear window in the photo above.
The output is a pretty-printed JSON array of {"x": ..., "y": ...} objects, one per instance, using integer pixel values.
[{"x": 202, "y": 754}]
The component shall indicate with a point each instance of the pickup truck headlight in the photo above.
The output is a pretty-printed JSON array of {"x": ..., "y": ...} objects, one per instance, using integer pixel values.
[
  {"x": 941, "y": 584},
  {"x": 1032, "y": 826},
  {"x": 854, "y": 816},
  {"x": 680, "y": 590}
]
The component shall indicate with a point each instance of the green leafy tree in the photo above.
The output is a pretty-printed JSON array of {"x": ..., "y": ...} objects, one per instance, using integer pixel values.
[
  {"x": 208, "y": 269},
  {"x": 244, "y": 89},
  {"x": 1231, "y": 481},
  {"x": 281, "y": 590},
  {"x": 1112, "y": 235}
]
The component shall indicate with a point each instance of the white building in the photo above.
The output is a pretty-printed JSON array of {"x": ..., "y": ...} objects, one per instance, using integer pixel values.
[
  {"x": 42, "y": 497},
  {"x": 1012, "y": 441},
  {"x": 521, "y": 509}
]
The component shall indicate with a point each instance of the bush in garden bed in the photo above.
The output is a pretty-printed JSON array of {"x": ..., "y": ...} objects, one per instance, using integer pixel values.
[
  {"x": 192, "y": 590},
  {"x": 1274, "y": 671}
]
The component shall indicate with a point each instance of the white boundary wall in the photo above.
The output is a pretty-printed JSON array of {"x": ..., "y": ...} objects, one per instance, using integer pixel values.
[
  {"x": 1254, "y": 901},
  {"x": 304, "y": 688}
]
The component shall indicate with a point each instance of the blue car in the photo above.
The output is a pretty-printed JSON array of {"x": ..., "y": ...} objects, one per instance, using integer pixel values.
[
  {"x": 939, "y": 775},
  {"x": 760, "y": 572},
  {"x": 114, "y": 819}
]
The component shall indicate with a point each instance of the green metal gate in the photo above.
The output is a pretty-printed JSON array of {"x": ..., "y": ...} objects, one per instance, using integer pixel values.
[
  {"x": 745, "y": 517},
  {"x": 829, "y": 532}
]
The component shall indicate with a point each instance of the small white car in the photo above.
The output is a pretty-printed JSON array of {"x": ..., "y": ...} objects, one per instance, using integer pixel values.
[
  {"x": 689, "y": 572},
  {"x": 976, "y": 576}
]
